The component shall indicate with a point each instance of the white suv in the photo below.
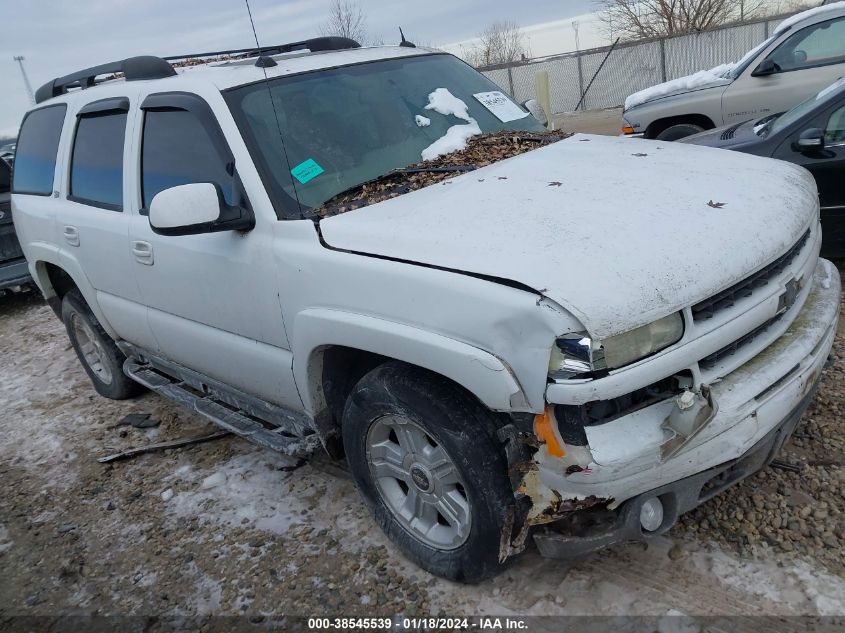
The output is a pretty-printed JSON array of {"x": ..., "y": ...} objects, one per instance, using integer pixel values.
[
  {"x": 805, "y": 54},
  {"x": 514, "y": 348}
]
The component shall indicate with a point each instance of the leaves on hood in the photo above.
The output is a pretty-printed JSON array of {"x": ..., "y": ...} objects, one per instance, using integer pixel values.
[
  {"x": 481, "y": 150},
  {"x": 716, "y": 205}
]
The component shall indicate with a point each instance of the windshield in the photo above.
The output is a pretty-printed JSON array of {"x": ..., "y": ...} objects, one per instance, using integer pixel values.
[
  {"x": 345, "y": 126},
  {"x": 798, "y": 112},
  {"x": 749, "y": 57}
]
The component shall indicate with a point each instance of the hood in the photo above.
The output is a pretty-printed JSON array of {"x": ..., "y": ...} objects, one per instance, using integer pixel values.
[
  {"x": 732, "y": 136},
  {"x": 617, "y": 231},
  {"x": 702, "y": 80}
]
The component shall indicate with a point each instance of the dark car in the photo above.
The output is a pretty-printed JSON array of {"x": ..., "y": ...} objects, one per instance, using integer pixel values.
[
  {"x": 13, "y": 268},
  {"x": 812, "y": 134}
]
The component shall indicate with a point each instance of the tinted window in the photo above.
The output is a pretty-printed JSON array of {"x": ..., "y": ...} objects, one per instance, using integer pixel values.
[
  {"x": 178, "y": 151},
  {"x": 835, "y": 132},
  {"x": 815, "y": 45},
  {"x": 96, "y": 172},
  {"x": 38, "y": 142}
]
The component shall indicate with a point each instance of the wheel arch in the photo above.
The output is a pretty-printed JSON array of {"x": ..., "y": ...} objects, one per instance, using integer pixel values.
[
  {"x": 656, "y": 127},
  {"x": 334, "y": 349}
]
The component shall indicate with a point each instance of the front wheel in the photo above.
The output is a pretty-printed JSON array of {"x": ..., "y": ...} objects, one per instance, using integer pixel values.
[
  {"x": 676, "y": 132},
  {"x": 425, "y": 459},
  {"x": 100, "y": 357}
]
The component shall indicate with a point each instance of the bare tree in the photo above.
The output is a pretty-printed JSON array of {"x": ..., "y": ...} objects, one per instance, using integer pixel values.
[
  {"x": 499, "y": 43},
  {"x": 346, "y": 19},
  {"x": 637, "y": 19}
]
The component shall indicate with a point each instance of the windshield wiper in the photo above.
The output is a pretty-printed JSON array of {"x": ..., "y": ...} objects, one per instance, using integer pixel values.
[{"x": 398, "y": 172}]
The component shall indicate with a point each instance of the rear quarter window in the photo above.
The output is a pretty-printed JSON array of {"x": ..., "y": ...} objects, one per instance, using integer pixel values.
[{"x": 35, "y": 157}]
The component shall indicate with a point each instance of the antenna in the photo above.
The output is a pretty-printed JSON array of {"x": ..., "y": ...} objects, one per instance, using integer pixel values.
[
  {"x": 19, "y": 59},
  {"x": 263, "y": 64},
  {"x": 405, "y": 42}
]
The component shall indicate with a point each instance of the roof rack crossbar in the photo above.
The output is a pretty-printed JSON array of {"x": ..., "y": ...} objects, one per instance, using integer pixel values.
[
  {"x": 315, "y": 44},
  {"x": 133, "y": 69}
]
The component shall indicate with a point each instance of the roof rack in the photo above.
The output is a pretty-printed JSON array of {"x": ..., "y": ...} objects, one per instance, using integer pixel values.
[
  {"x": 315, "y": 45},
  {"x": 133, "y": 69},
  {"x": 150, "y": 67}
]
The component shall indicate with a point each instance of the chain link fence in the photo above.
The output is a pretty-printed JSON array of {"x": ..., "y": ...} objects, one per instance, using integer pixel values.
[{"x": 630, "y": 66}]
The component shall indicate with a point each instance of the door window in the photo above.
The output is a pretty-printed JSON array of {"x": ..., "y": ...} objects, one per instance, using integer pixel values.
[
  {"x": 834, "y": 133},
  {"x": 177, "y": 150},
  {"x": 35, "y": 157},
  {"x": 817, "y": 45},
  {"x": 96, "y": 172}
]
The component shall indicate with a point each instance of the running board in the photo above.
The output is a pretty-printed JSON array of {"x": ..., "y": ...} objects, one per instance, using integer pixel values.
[{"x": 226, "y": 417}]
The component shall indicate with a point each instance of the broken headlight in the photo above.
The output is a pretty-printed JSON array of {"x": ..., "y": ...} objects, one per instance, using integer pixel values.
[{"x": 576, "y": 354}]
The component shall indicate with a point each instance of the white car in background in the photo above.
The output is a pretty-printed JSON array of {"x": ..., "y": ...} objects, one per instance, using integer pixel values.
[{"x": 804, "y": 54}]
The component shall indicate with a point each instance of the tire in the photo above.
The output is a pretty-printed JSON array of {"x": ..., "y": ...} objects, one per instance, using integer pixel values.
[
  {"x": 439, "y": 426},
  {"x": 675, "y": 132},
  {"x": 100, "y": 357}
]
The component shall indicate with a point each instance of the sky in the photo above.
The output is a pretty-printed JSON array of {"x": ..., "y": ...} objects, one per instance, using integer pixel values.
[{"x": 58, "y": 37}]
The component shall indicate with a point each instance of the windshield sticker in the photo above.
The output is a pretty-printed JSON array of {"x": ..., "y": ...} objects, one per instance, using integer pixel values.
[
  {"x": 306, "y": 170},
  {"x": 500, "y": 105}
]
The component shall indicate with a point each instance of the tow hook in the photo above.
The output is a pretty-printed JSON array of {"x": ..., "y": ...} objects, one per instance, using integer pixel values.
[{"x": 691, "y": 413}]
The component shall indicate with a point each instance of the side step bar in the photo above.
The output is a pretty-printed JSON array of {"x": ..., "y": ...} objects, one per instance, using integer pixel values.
[{"x": 230, "y": 419}]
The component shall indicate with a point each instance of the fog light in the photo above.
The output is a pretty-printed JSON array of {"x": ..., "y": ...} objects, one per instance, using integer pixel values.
[{"x": 651, "y": 514}]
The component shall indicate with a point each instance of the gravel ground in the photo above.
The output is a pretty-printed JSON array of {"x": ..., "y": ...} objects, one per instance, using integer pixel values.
[{"x": 228, "y": 528}]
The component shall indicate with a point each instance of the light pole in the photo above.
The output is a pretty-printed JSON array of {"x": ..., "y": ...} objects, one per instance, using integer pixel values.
[{"x": 19, "y": 59}]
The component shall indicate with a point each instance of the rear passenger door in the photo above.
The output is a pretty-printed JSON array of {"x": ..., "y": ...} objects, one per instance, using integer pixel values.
[
  {"x": 212, "y": 298},
  {"x": 92, "y": 223}
]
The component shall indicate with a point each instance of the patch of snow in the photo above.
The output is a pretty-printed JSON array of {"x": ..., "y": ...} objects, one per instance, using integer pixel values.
[
  {"x": 215, "y": 480},
  {"x": 247, "y": 489},
  {"x": 444, "y": 102},
  {"x": 799, "y": 17},
  {"x": 455, "y": 139},
  {"x": 167, "y": 495},
  {"x": 790, "y": 583},
  {"x": 702, "y": 79},
  {"x": 5, "y": 541},
  {"x": 422, "y": 121}
]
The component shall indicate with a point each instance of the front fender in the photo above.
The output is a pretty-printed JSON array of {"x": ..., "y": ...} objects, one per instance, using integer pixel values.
[{"x": 481, "y": 373}]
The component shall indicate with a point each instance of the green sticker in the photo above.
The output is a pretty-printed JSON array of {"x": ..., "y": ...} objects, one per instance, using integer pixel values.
[{"x": 306, "y": 171}]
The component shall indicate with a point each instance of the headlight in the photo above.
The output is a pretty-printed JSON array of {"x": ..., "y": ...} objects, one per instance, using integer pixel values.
[{"x": 575, "y": 354}]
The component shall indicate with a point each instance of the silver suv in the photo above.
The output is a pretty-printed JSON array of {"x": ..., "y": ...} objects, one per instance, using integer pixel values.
[{"x": 517, "y": 351}]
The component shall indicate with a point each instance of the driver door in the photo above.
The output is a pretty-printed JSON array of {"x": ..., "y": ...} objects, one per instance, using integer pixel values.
[
  {"x": 807, "y": 61},
  {"x": 213, "y": 304}
]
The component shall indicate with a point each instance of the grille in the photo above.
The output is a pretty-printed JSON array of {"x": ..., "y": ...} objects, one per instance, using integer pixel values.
[
  {"x": 745, "y": 288},
  {"x": 729, "y": 350}
]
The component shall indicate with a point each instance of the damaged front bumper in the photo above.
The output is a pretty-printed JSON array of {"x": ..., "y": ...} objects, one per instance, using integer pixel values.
[{"x": 671, "y": 459}]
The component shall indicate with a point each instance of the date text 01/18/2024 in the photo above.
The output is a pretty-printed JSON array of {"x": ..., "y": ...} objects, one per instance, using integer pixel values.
[{"x": 418, "y": 624}]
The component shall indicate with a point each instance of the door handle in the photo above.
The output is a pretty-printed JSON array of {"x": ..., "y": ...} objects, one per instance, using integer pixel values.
[
  {"x": 71, "y": 234},
  {"x": 143, "y": 252}
]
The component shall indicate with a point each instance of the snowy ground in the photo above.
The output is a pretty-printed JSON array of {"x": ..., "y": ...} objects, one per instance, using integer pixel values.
[{"x": 228, "y": 528}]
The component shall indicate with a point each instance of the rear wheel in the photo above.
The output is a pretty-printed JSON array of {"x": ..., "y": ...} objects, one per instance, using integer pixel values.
[
  {"x": 425, "y": 459},
  {"x": 100, "y": 357},
  {"x": 682, "y": 130}
]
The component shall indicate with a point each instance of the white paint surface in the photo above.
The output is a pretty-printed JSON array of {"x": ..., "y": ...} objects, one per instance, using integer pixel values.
[{"x": 185, "y": 205}]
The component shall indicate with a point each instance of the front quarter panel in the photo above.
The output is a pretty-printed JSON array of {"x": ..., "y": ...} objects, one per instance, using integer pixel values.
[{"x": 492, "y": 339}]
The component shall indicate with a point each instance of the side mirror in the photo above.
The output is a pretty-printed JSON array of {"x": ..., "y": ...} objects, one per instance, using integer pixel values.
[
  {"x": 811, "y": 140},
  {"x": 766, "y": 67},
  {"x": 533, "y": 106},
  {"x": 196, "y": 208}
]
